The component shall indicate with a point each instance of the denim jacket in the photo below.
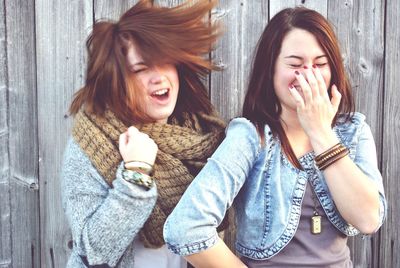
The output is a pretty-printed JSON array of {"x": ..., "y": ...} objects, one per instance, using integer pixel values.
[{"x": 266, "y": 190}]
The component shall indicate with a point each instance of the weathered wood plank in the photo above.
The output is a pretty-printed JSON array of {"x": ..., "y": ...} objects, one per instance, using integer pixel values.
[
  {"x": 388, "y": 242},
  {"x": 111, "y": 9},
  {"x": 5, "y": 219},
  {"x": 25, "y": 224},
  {"x": 4, "y": 165},
  {"x": 235, "y": 51},
  {"x": 62, "y": 28},
  {"x": 320, "y": 6},
  {"x": 359, "y": 26},
  {"x": 24, "y": 204},
  {"x": 168, "y": 3}
]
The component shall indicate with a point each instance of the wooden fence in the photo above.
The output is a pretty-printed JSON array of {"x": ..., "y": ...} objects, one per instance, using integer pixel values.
[{"x": 42, "y": 63}]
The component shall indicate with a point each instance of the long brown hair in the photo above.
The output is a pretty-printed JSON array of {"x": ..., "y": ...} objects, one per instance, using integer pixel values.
[
  {"x": 261, "y": 105},
  {"x": 177, "y": 35}
]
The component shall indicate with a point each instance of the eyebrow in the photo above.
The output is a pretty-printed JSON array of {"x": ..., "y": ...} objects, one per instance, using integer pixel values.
[{"x": 301, "y": 58}]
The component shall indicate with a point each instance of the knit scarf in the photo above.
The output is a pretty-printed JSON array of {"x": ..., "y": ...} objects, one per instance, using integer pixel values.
[{"x": 183, "y": 148}]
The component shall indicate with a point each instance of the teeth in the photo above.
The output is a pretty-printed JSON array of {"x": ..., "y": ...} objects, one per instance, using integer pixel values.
[{"x": 160, "y": 92}]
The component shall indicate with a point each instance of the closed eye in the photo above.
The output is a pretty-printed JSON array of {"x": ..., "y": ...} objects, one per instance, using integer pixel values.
[
  {"x": 140, "y": 70},
  {"x": 321, "y": 64}
]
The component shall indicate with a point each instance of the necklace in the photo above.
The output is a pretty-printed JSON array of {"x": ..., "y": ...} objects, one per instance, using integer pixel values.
[{"x": 316, "y": 226}]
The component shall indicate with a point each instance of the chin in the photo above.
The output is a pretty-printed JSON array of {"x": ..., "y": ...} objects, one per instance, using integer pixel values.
[{"x": 161, "y": 118}]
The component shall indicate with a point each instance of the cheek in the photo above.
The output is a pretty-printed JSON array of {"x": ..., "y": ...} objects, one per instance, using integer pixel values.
[
  {"x": 143, "y": 80},
  {"x": 173, "y": 74},
  {"x": 283, "y": 77},
  {"x": 326, "y": 74}
]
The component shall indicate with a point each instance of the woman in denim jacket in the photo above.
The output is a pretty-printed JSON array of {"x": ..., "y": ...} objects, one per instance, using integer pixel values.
[{"x": 300, "y": 168}]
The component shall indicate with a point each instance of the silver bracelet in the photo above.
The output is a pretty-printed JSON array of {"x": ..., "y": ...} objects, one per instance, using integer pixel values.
[{"x": 140, "y": 166}]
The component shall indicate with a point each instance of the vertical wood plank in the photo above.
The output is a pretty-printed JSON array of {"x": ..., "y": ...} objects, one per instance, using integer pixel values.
[
  {"x": 168, "y": 3},
  {"x": 24, "y": 197},
  {"x": 388, "y": 242},
  {"x": 320, "y": 6},
  {"x": 359, "y": 26},
  {"x": 5, "y": 226},
  {"x": 5, "y": 220},
  {"x": 235, "y": 51},
  {"x": 62, "y": 28},
  {"x": 106, "y": 9}
]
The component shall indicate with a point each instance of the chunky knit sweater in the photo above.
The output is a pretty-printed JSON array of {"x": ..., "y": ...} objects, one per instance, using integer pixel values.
[{"x": 84, "y": 191}]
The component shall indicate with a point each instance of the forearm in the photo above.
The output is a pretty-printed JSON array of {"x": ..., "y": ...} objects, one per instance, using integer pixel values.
[
  {"x": 113, "y": 225},
  {"x": 354, "y": 194},
  {"x": 103, "y": 220},
  {"x": 217, "y": 256}
]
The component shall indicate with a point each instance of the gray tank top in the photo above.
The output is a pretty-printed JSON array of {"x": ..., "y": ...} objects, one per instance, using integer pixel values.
[{"x": 327, "y": 249}]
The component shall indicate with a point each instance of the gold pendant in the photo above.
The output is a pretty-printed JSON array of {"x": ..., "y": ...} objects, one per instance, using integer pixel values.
[{"x": 316, "y": 224}]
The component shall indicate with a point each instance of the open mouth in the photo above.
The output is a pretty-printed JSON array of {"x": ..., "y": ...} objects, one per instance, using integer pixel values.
[{"x": 161, "y": 94}]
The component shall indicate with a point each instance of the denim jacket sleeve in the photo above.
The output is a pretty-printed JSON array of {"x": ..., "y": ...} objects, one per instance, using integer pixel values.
[
  {"x": 366, "y": 159},
  {"x": 191, "y": 227}
]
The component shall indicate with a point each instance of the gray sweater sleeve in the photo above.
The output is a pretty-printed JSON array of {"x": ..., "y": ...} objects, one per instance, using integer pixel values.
[{"x": 103, "y": 220}]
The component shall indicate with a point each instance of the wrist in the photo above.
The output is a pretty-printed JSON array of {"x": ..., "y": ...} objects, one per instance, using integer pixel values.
[{"x": 323, "y": 141}]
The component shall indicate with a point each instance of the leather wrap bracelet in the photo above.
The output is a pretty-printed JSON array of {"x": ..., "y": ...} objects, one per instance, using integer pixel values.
[{"x": 330, "y": 156}]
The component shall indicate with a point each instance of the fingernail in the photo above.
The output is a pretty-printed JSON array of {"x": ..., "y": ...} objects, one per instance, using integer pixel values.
[
  {"x": 291, "y": 86},
  {"x": 296, "y": 72},
  {"x": 314, "y": 66},
  {"x": 305, "y": 67}
]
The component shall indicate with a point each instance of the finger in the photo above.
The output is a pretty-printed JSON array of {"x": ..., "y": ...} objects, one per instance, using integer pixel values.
[
  {"x": 312, "y": 81},
  {"x": 305, "y": 87},
  {"x": 336, "y": 97},
  {"x": 297, "y": 97},
  {"x": 323, "y": 90}
]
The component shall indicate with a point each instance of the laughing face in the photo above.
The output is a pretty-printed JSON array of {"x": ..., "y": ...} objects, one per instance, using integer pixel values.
[
  {"x": 159, "y": 85},
  {"x": 300, "y": 49}
]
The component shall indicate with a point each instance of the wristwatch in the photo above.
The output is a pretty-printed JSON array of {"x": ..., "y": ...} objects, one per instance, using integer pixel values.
[{"x": 138, "y": 178}]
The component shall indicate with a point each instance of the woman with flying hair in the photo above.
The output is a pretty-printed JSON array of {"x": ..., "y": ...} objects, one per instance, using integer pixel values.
[
  {"x": 300, "y": 167},
  {"x": 143, "y": 128}
]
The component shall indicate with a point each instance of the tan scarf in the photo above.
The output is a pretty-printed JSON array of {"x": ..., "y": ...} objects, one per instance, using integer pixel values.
[{"x": 183, "y": 149}]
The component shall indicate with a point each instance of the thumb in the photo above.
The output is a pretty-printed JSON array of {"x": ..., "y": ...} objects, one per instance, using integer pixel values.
[{"x": 123, "y": 139}]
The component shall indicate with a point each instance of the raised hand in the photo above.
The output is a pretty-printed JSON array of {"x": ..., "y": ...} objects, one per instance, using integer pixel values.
[
  {"x": 314, "y": 108},
  {"x": 137, "y": 146}
]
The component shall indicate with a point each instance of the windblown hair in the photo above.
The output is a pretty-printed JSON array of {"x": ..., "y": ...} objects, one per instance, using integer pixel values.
[
  {"x": 177, "y": 35},
  {"x": 261, "y": 105}
]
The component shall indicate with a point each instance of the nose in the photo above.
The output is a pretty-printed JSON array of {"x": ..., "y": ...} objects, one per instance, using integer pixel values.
[
  {"x": 157, "y": 77},
  {"x": 305, "y": 67}
]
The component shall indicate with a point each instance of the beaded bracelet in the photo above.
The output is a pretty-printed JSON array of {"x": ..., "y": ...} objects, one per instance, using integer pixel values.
[
  {"x": 138, "y": 178},
  {"x": 330, "y": 156}
]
